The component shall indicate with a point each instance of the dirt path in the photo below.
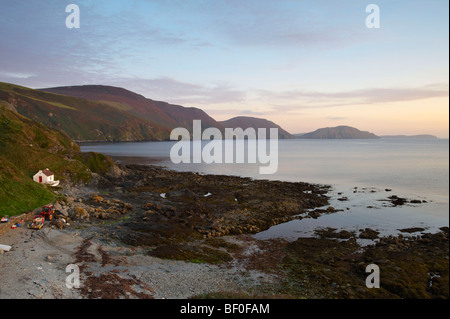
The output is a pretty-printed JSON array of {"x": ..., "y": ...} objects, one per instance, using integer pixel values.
[{"x": 36, "y": 268}]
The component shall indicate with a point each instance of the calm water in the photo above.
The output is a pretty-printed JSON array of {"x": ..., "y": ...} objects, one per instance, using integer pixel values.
[{"x": 411, "y": 168}]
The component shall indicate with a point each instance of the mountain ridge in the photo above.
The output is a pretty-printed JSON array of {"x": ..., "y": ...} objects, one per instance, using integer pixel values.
[
  {"x": 102, "y": 113},
  {"x": 81, "y": 119},
  {"x": 162, "y": 113},
  {"x": 245, "y": 122}
]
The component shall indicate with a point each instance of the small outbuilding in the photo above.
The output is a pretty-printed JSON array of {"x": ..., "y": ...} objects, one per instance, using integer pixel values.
[{"x": 45, "y": 177}]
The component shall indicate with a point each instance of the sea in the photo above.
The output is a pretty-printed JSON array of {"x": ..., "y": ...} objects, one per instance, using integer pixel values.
[{"x": 363, "y": 174}]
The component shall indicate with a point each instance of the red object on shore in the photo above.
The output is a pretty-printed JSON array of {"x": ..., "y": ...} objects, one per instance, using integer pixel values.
[
  {"x": 17, "y": 224},
  {"x": 48, "y": 211}
]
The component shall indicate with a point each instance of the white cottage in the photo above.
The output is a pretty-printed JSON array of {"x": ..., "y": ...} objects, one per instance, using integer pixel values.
[{"x": 45, "y": 177}]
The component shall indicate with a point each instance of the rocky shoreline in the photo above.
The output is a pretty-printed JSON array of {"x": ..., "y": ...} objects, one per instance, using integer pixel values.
[
  {"x": 156, "y": 206},
  {"x": 149, "y": 232}
]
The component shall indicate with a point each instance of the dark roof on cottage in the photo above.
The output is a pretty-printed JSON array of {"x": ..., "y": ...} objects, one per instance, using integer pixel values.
[{"x": 47, "y": 172}]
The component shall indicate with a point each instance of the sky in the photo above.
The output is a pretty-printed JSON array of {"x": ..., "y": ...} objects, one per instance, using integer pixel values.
[{"x": 302, "y": 64}]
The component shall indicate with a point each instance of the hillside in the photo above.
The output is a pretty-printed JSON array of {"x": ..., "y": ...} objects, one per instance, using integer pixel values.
[
  {"x": 164, "y": 114},
  {"x": 81, "y": 119},
  {"x": 338, "y": 132},
  {"x": 111, "y": 114},
  {"x": 26, "y": 147},
  {"x": 245, "y": 122}
]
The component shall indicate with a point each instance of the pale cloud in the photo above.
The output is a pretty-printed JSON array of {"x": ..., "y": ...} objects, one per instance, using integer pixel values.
[
  {"x": 282, "y": 24},
  {"x": 16, "y": 75},
  {"x": 179, "y": 92},
  {"x": 384, "y": 95},
  {"x": 295, "y": 100},
  {"x": 336, "y": 118},
  {"x": 225, "y": 100}
]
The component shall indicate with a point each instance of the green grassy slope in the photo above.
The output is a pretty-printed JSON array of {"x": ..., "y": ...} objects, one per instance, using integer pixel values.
[{"x": 27, "y": 146}]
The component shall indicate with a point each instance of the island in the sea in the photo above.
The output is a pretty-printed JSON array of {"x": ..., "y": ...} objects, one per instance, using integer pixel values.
[
  {"x": 410, "y": 136},
  {"x": 338, "y": 132}
]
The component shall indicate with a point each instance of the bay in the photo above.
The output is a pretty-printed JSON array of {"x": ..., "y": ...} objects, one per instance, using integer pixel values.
[{"x": 362, "y": 173}]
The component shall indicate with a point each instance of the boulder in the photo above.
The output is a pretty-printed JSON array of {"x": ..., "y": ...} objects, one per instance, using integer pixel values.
[
  {"x": 97, "y": 199},
  {"x": 80, "y": 213},
  {"x": 58, "y": 206},
  {"x": 64, "y": 211}
]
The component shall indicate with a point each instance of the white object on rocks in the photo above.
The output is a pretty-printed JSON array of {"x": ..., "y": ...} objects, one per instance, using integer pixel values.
[{"x": 5, "y": 247}]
